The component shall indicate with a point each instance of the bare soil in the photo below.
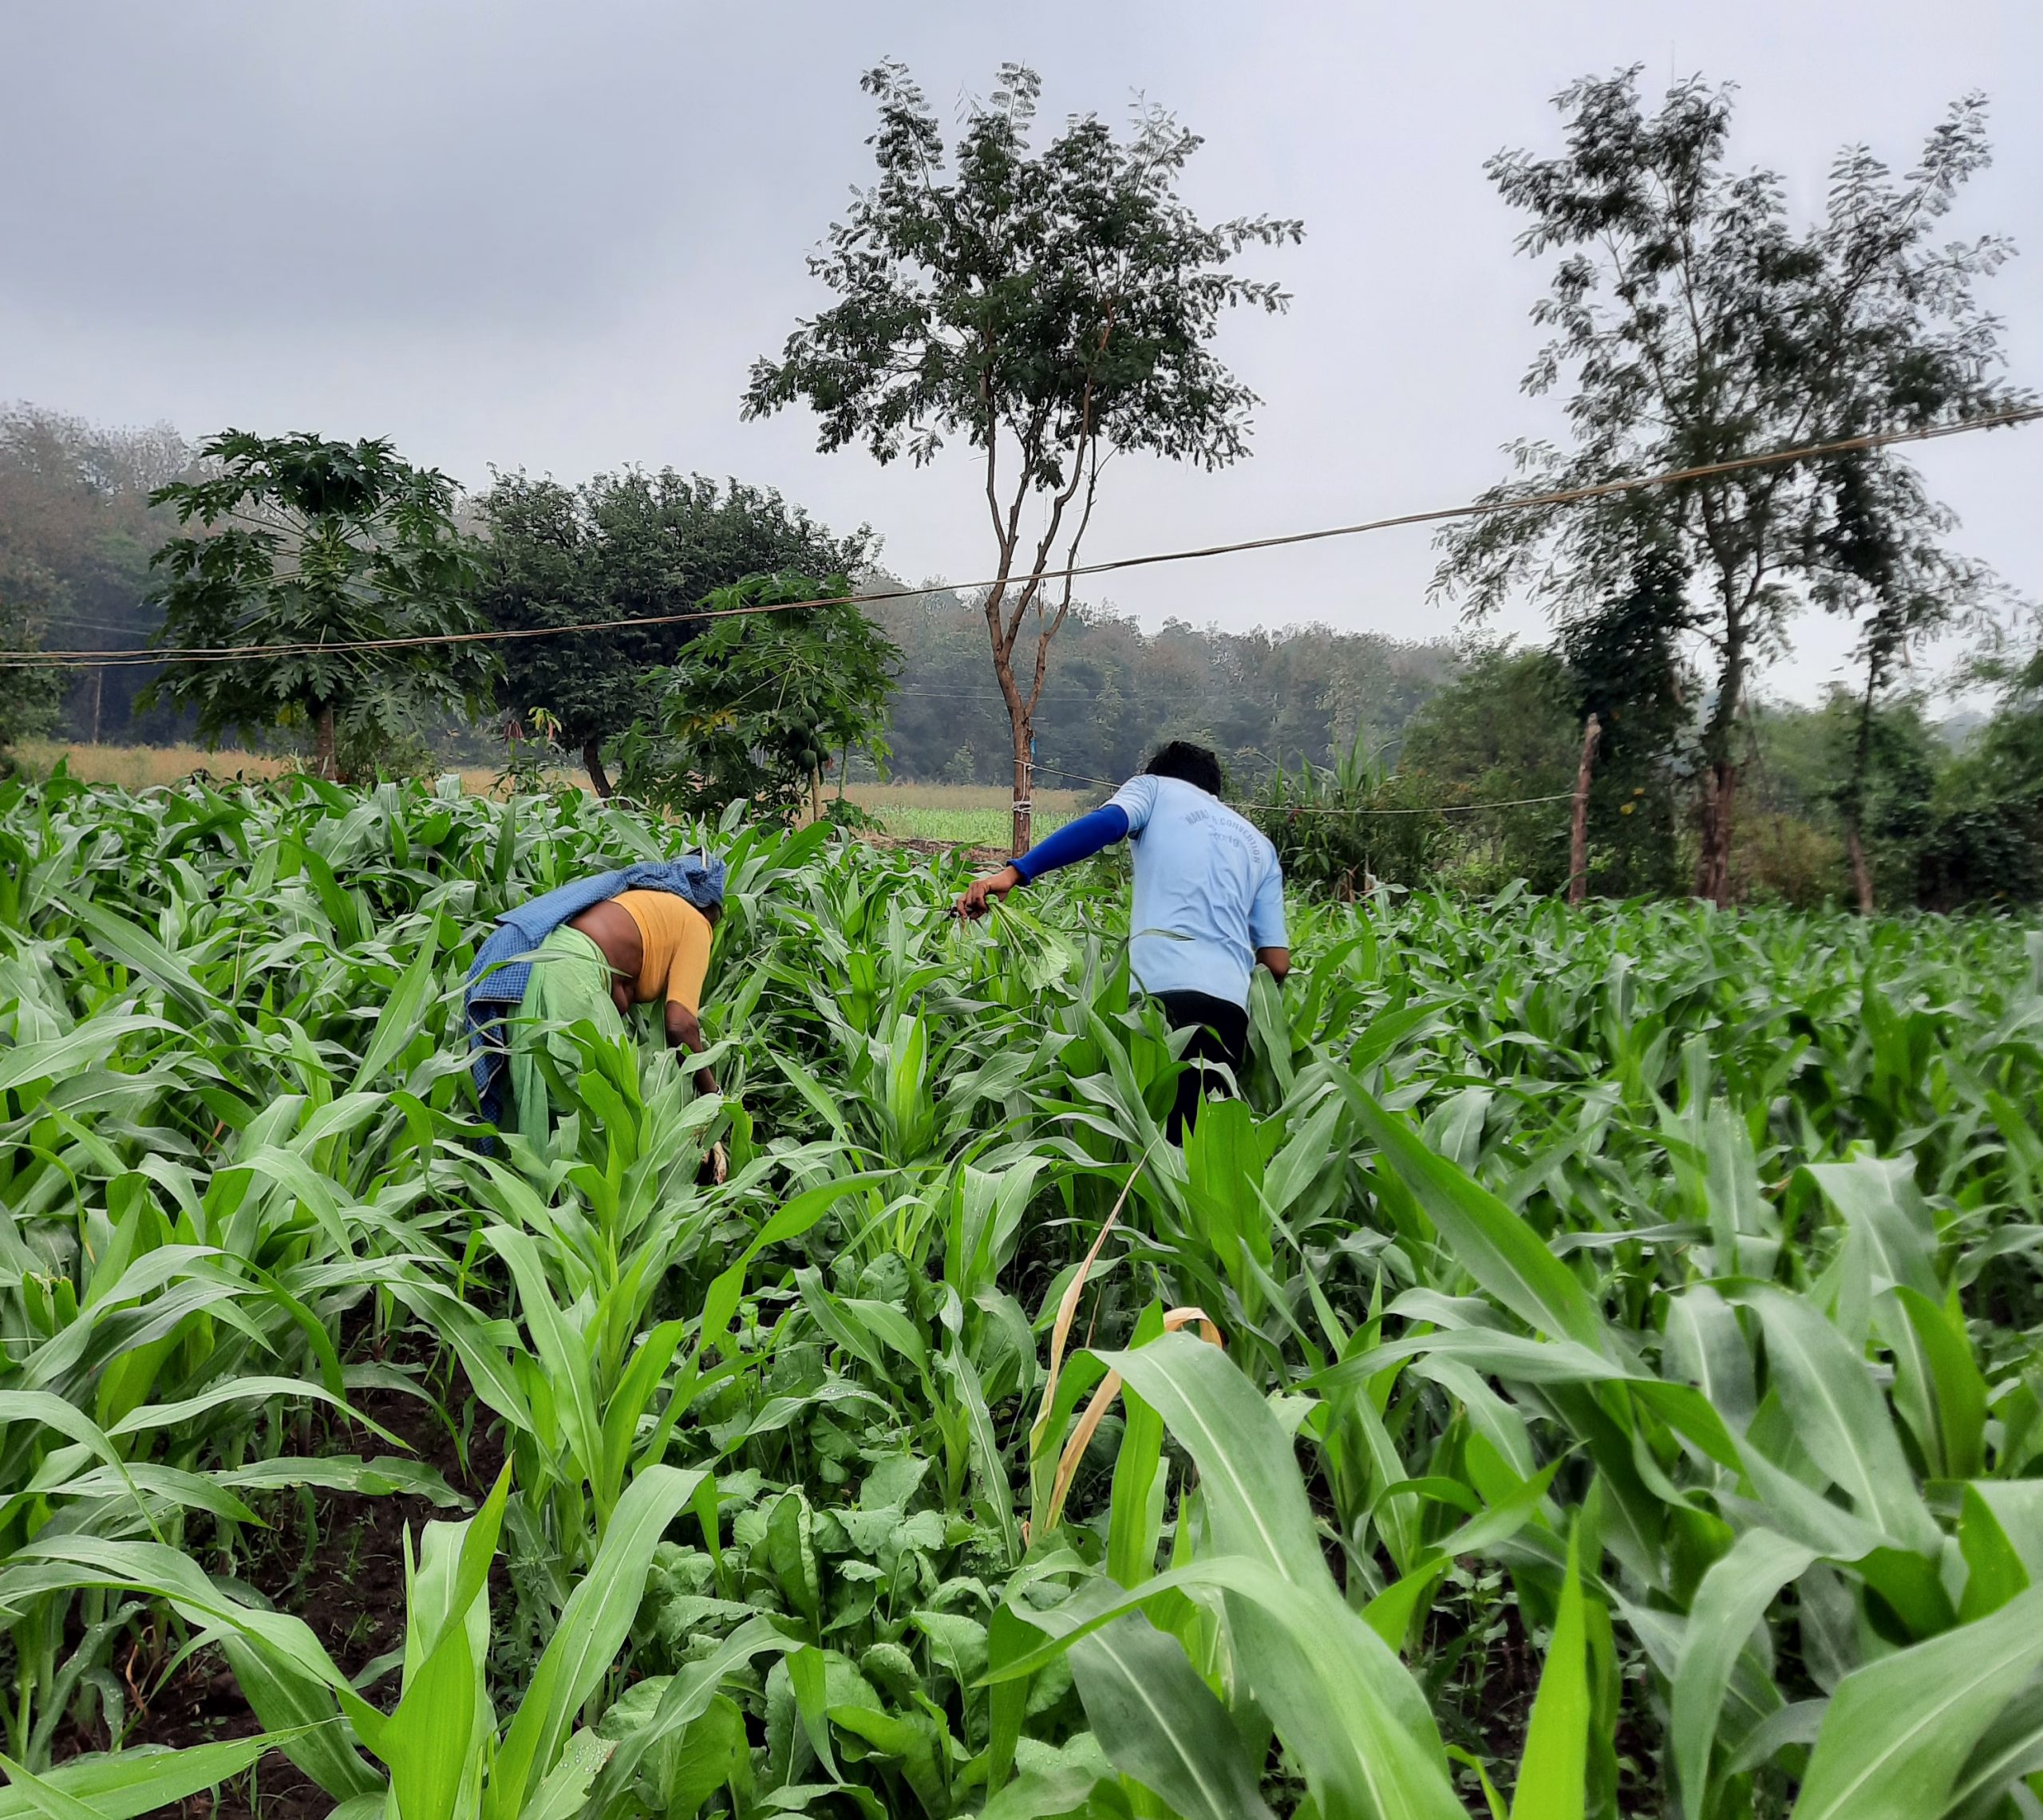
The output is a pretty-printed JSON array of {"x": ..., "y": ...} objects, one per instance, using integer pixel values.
[{"x": 336, "y": 1560}]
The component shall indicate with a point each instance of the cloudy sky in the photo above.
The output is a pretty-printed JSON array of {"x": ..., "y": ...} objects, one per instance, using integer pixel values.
[{"x": 554, "y": 236}]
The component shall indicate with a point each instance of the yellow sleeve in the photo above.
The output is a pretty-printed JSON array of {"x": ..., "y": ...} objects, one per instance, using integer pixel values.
[{"x": 690, "y": 965}]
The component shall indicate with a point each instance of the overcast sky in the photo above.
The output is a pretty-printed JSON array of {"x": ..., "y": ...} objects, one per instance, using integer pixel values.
[{"x": 554, "y": 236}]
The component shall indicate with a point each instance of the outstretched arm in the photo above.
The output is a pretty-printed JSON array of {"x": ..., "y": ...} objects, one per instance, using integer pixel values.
[{"x": 1071, "y": 842}]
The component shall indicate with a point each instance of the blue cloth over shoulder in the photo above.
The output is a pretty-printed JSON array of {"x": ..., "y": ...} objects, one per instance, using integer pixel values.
[
  {"x": 1074, "y": 841},
  {"x": 503, "y": 966}
]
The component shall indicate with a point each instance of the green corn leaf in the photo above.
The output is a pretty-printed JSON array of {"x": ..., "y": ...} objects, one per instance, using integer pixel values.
[
  {"x": 1553, "y": 1771},
  {"x": 300, "y": 1710},
  {"x": 1733, "y": 1597},
  {"x": 1493, "y": 1244},
  {"x": 1504, "y": 1519},
  {"x": 1392, "y": 1612},
  {"x": 802, "y": 1211},
  {"x": 1342, "y": 1701},
  {"x": 45, "y": 1799},
  {"x": 592, "y": 1628},
  {"x": 139, "y": 950},
  {"x": 1840, "y": 1417},
  {"x": 173, "y": 1575},
  {"x": 60, "y": 1057},
  {"x": 1248, "y": 1473},
  {"x": 1898, "y": 1730},
  {"x": 127, "y": 1785},
  {"x": 564, "y": 1352},
  {"x": 2011, "y": 1748},
  {"x": 1343, "y": 1704},
  {"x": 402, "y": 1016},
  {"x": 1938, "y": 1388},
  {"x": 1160, "y": 1724},
  {"x": 1877, "y": 1198},
  {"x": 2018, "y": 1508},
  {"x": 988, "y": 1465},
  {"x": 427, "y": 1743},
  {"x": 807, "y": 1676},
  {"x": 1136, "y": 1508},
  {"x": 685, "y": 1698}
]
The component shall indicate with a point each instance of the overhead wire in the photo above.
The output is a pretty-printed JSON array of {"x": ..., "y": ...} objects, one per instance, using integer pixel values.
[{"x": 1474, "y": 508}]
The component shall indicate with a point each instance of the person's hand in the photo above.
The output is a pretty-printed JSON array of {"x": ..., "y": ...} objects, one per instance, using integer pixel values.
[
  {"x": 720, "y": 1165},
  {"x": 972, "y": 902}
]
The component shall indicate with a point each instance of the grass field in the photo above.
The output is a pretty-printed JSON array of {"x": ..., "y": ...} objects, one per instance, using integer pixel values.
[{"x": 973, "y": 813}]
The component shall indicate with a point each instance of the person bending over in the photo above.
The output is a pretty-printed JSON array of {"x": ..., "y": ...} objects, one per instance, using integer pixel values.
[
  {"x": 1209, "y": 903},
  {"x": 591, "y": 949}
]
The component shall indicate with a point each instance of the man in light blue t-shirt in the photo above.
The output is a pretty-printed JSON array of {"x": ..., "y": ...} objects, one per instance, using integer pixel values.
[{"x": 1209, "y": 903}]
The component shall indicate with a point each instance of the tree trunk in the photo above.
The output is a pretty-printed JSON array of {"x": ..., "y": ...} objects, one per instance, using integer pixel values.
[
  {"x": 99, "y": 697},
  {"x": 1713, "y": 870},
  {"x": 1861, "y": 754},
  {"x": 1578, "y": 839},
  {"x": 592, "y": 756},
  {"x": 1720, "y": 768},
  {"x": 1025, "y": 740},
  {"x": 815, "y": 793},
  {"x": 1862, "y": 877},
  {"x": 325, "y": 760}
]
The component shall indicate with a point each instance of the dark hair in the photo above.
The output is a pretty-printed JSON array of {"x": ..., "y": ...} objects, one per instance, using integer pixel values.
[{"x": 1189, "y": 764}]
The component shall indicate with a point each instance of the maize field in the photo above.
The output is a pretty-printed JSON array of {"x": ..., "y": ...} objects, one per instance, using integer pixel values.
[{"x": 1592, "y": 1371}]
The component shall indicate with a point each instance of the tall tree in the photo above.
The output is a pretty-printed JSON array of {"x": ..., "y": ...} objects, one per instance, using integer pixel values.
[
  {"x": 623, "y": 547},
  {"x": 1887, "y": 570},
  {"x": 1054, "y": 308},
  {"x": 1698, "y": 324},
  {"x": 1624, "y": 658},
  {"x": 299, "y": 543}
]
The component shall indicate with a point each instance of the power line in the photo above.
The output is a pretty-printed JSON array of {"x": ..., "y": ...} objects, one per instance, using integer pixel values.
[
  {"x": 1475, "y": 508},
  {"x": 1423, "y": 809}
]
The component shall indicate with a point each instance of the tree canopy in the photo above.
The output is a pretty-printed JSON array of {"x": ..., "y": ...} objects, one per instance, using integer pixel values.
[
  {"x": 77, "y": 531},
  {"x": 626, "y": 546},
  {"x": 1696, "y": 323},
  {"x": 762, "y": 701},
  {"x": 1052, "y": 308},
  {"x": 300, "y": 543}
]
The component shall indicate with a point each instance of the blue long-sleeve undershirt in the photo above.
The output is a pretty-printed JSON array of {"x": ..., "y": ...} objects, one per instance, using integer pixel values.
[{"x": 1074, "y": 841}]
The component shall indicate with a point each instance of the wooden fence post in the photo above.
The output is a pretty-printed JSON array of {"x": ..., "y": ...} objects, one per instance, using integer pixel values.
[{"x": 1578, "y": 845}]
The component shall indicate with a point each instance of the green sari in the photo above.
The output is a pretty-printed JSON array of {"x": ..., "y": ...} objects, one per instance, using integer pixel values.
[{"x": 571, "y": 981}]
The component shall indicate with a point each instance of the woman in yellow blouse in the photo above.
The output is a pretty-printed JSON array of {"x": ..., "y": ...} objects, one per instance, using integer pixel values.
[{"x": 634, "y": 949}]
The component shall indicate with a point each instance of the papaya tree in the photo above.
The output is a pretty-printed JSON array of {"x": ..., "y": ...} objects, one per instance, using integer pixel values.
[
  {"x": 295, "y": 549},
  {"x": 760, "y": 703}
]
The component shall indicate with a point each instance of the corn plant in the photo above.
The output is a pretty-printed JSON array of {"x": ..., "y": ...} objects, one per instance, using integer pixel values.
[{"x": 1590, "y": 1369}]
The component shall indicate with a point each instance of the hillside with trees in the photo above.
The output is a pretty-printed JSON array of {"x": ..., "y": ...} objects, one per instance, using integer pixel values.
[
  {"x": 76, "y": 532},
  {"x": 1260, "y": 698}
]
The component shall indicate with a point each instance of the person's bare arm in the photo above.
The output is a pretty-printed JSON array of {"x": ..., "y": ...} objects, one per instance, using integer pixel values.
[
  {"x": 972, "y": 902},
  {"x": 685, "y": 1031},
  {"x": 1277, "y": 960}
]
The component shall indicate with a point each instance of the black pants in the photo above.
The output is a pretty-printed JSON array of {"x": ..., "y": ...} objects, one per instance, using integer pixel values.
[{"x": 1223, "y": 1036}]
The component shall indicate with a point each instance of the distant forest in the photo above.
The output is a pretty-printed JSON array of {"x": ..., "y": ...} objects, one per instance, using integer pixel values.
[
  {"x": 1114, "y": 692},
  {"x": 77, "y": 531}
]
